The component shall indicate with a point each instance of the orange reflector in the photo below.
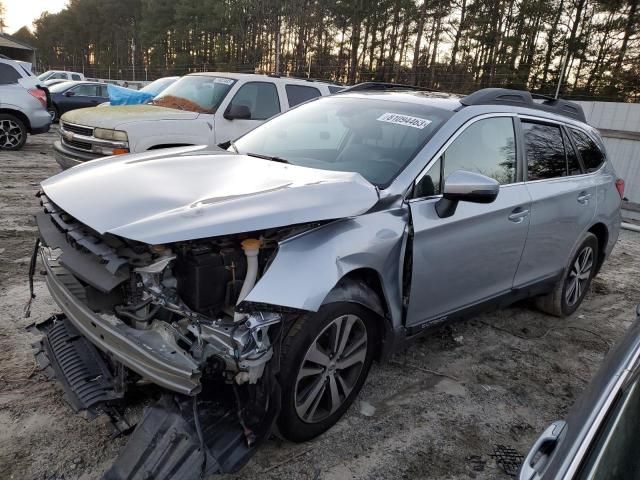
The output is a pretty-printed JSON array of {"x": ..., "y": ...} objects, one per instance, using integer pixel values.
[{"x": 120, "y": 151}]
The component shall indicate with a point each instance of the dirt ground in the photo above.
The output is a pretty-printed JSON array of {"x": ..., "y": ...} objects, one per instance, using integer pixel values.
[{"x": 505, "y": 376}]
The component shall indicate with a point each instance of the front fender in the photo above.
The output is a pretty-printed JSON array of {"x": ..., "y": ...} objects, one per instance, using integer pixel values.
[
  {"x": 144, "y": 135},
  {"x": 307, "y": 267}
]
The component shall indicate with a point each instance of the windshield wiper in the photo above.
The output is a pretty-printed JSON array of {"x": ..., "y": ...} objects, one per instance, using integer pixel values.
[{"x": 267, "y": 157}]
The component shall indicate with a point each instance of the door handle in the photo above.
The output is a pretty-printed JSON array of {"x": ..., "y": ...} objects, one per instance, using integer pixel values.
[
  {"x": 548, "y": 439},
  {"x": 583, "y": 198},
  {"x": 518, "y": 215}
]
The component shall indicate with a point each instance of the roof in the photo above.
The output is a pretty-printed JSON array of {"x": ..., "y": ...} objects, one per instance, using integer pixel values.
[
  {"x": 238, "y": 76},
  {"x": 7, "y": 41},
  {"x": 446, "y": 101}
]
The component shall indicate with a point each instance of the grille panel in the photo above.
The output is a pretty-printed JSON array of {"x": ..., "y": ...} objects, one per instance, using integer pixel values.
[
  {"x": 78, "y": 144},
  {"x": 87, "y": 131}
]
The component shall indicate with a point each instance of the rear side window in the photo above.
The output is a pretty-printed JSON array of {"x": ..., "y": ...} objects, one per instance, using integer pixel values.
[
  {"x": 545, "y": 151},
  {"x": 260, "y": 97},
  {"x": 75, "y": 76},
  {"x": 85, "y": 90},
  {"x": 573, "y": 164},
  {"x": 335, "y": 89},
  {"x": 592, "y": 157},
  {"x": 8, "y": 74},
  {"x": 297, "y": 94}
]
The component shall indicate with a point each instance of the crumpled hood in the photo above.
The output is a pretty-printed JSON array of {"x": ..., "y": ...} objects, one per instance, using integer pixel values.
[
  {"x": 112, "y": 117},
  {"x": 188, "y": 193}
]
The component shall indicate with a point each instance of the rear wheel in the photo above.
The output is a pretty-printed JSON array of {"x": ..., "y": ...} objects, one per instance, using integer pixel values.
[
  {"x": 325, "y": 360},
  {"x": 13, "y": 133},
  {"x": 569, "y": 292},
  {"x": 55, "y": 114}
]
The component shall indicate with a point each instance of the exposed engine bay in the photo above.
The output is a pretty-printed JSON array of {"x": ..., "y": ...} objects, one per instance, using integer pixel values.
[{"x": 173, "y": 314}]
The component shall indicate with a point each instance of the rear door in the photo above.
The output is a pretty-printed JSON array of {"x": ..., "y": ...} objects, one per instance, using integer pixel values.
[
  {"x": 563, "y": 200},
  {"x": 263, "y": 102},
  {"x": 472, "y": 256}
]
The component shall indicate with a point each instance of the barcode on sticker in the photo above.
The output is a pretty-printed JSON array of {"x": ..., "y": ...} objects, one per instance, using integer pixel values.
[
  {"x": 406, "y": 120},
  {"x": 226, "y": 81}
]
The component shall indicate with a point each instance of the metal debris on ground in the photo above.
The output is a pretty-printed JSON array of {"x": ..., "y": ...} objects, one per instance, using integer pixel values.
[{"x": 508, "y": 459}]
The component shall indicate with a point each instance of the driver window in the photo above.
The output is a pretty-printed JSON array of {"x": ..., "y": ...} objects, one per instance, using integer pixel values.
[
  {"x": 486, "y": 147},
  {"x": 260, "y": 97}
]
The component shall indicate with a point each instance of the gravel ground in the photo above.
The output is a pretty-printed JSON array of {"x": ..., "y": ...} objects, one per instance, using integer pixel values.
[{"x": 504, "y": 377}]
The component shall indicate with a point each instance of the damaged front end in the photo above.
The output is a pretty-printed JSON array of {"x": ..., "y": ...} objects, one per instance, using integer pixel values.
[{"x": 171, "y": 315}]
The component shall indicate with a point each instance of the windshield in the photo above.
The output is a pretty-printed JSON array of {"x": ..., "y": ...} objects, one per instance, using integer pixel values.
[
  {"x": 61, "y": 87},
  {"x": 376, "y": 138},
  {"x": 196, "y": 93},
  {"x": 157, "y": 86},
  {"x": 45, "y": 75}
]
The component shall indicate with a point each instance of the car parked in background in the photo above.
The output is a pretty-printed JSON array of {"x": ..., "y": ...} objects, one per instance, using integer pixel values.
[
  {"x": 198, "y": 109},
  {"x": 50, "y": 83},
  {"x": 60, "y": 75},
  {"x": 67, "y": 96},
  {"x": 326, "y": 237},
  {"x": 23, "y": 105},
  {"x": 600, "y": 436}
]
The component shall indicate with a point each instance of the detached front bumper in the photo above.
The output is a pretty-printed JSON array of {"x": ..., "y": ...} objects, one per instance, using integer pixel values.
[{"x": 150, "y": 353}]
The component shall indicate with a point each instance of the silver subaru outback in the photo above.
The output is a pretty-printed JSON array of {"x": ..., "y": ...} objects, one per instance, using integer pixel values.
[{"x": 256, "y": 284}]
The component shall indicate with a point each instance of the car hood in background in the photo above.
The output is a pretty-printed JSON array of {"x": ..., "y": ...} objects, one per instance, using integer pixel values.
[
  {"x": 115, "y": 116},
  {"x": 189, "y": 193}
]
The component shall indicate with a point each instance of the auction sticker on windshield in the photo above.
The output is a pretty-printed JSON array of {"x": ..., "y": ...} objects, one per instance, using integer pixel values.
[
  {"x": 406, "y": 120},
  {"x": 226, "y": 81}
]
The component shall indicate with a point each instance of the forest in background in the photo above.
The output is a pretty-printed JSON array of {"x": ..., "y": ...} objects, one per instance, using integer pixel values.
[{"x": 449, "y": 45}]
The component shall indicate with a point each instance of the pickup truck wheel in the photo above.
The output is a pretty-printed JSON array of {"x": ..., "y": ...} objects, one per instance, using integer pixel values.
[
  {"x": 13, "y": 133},
  {"x": 326, "y": 357},
  {"x": 571, "y": 289}
]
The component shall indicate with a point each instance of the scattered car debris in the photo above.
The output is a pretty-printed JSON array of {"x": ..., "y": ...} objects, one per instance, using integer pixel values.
[{"x": 508, "y": 459}]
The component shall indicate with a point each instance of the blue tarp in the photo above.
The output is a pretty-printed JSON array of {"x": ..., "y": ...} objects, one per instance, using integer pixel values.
[{"x": 126, "y": 96}]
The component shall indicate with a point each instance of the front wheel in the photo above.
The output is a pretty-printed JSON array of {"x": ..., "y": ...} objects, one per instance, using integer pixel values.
[
  {"x": 569, "y": 292},
  {"x": 325, "y": 361},
  {"x": 13, "y": 133}
]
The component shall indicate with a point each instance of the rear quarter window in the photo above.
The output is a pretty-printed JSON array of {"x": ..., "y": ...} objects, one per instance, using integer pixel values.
[
  {"x": 592, "y": 157},
  {"x": 297, "y": 94},
  {"x": 8, "y": 74}
]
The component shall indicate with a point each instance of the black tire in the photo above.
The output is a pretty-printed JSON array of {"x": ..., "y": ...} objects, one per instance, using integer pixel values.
[
  {"x": 557, "y": 302},
  {"x": 13, "y": 132},
  {"x": 55, "y": 114},
  {"x": 308, "y": 330}
]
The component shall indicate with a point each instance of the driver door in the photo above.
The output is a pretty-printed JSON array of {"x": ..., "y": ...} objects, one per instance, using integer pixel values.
[
  {"x": 263, "y": 102},
  {"x": 471, "y": 256}
]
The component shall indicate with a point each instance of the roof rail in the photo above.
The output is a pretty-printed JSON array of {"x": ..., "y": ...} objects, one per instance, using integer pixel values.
[
  {"x": 383, "y": 86},
  {"x": 522, "y": 98}
]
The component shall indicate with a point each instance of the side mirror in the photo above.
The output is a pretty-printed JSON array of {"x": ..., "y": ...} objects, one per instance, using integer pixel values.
[
  {"x": 240, "y": 112},
  {"x": 462, "y": 186},
  {"x": 69, "y": 94}
]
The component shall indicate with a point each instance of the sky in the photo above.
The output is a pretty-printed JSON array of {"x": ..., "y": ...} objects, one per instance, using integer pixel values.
[{"x": 19, "y": 13}]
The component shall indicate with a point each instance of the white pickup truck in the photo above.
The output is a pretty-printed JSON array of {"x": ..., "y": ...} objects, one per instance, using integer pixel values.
[{"x": 198, "y": 109}]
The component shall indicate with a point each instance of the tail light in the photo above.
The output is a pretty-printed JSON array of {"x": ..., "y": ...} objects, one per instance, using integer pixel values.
[
  {"x": 620, "y": 187},
  {"x": 39, "y": 95}
]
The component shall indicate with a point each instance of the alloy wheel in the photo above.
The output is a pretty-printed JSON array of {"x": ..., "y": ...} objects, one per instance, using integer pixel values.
[
  {"x": 331, "y": 368},
  {"x": 579, "y": 276},
  {"x": 11, "y": 134}
]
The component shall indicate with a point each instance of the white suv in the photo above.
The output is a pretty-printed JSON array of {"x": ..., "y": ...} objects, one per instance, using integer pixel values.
[
  {"x": 23, "y": 105},
  {"x": 198, "y": 109}
]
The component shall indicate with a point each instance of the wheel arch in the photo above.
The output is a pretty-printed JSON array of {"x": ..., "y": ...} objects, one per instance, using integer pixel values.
[
  {"x": 363, "y": 286},
  {"x": 168, "y": 145},
  {"x": 16, "y": 113},
  {"x": 601, "y": 232}
]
